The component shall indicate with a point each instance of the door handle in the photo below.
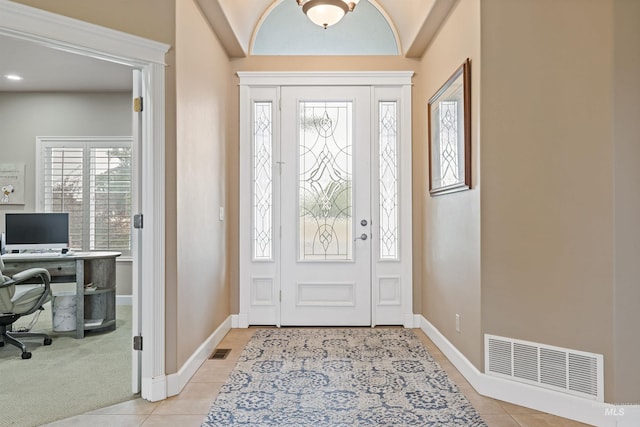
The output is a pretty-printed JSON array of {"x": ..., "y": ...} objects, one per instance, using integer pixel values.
[{"x": 363, "y": 236}]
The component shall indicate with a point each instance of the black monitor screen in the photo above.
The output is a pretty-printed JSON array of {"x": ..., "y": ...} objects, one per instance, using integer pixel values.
[{"x": 36, "y": 230}]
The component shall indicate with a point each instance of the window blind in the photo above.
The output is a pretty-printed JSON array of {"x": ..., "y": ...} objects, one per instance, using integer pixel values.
[{"x": 91, "y": 180}]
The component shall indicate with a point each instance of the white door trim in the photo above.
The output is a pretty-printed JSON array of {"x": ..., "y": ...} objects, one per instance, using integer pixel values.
[
  {"x": 265, "y": 86},
  {"x": 71, "y": 35},
  {"x": 326, "y": 78}
]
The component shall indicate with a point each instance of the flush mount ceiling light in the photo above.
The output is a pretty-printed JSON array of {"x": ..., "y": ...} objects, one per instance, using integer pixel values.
[{"x": 327, "y": 12}]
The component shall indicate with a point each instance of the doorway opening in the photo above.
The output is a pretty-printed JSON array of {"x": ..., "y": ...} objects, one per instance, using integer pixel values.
[
  {"x": 325, "y": 235},
  {"x": 62, "y": 33}
]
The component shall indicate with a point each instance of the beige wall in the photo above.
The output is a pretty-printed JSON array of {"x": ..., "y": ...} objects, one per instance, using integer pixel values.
[
  {"x": 626, "y": 166},
  {"x": 547, "y": 170},
  {"x": 202, "y": 93},
  {"x": 450, "y": 257},
  {"x": 549, "y": 251},
  {"x": 123, "y": 15}
]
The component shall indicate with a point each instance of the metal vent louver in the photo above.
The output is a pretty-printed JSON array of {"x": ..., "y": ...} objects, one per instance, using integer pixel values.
[
  {"x": 581, "y": 370},
  {"x": 553, "y": 367},
  {"x": 525, "y": 362},
  {"x": 569, "y": 371},
  {"x": 500, "y": 362}
]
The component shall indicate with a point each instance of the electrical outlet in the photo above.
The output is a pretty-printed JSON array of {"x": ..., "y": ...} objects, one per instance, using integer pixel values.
[{"x": 457, "y": 322}]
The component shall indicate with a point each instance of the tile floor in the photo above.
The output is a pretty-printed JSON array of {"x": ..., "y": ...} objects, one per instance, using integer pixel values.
[{"x": 191, "y": 406}]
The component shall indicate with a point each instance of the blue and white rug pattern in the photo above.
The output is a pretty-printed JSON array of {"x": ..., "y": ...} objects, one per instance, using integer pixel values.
[{"x": 339, "y": 377}]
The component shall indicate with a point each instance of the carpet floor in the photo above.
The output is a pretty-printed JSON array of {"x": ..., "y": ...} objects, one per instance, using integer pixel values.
[
  {"x": 69, "y": 377},
  {"x": 339, "y": 377}
]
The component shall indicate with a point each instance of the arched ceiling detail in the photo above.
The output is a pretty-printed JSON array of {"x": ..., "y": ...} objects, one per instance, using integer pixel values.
[
  {"x": 416, "y": 22},
  {"x": 286, "y": 31}
]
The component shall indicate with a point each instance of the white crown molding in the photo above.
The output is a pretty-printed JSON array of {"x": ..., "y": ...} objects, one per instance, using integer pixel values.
[{"x": 77, "y": 36}]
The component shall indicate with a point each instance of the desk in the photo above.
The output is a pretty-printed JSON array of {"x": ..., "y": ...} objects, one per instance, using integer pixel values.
[{"x": 83, "y": 268}]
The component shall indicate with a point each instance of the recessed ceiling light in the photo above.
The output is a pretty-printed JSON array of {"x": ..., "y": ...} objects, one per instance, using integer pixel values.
[{"x": 13, "y": 77}]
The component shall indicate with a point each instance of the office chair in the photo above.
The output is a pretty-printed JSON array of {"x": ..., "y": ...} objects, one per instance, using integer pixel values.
[{"x": 12, "y": 306}]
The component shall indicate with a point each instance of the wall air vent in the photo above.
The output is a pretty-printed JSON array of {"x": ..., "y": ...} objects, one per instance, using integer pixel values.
[{"x": 569, "y": 371}]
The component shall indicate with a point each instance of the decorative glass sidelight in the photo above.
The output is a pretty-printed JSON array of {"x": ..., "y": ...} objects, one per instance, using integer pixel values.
[
  {"x": 262, "y": 181},
  {"x": 388, "y": 229},
  {"x": 325, "y": 181}
]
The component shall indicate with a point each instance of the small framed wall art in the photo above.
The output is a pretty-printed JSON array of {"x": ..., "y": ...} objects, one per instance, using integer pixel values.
[
  {"x": 449, "y": 115},
  {"x": 12, "y": 183}
]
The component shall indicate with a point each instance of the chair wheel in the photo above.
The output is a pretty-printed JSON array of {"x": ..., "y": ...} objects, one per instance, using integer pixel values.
[
  {"x": 26, "y": 355},
  {"x": 47, "y": 341}
]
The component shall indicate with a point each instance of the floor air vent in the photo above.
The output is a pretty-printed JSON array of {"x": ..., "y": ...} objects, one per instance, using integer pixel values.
[
  {"x": 220, "y": 353},
  {"x": 569, "y": 371}
]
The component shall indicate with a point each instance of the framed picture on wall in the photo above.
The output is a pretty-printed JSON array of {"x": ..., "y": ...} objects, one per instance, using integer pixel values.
[
  {"x": 12, "y": 183},
  {"x": 449, "y": 116}
]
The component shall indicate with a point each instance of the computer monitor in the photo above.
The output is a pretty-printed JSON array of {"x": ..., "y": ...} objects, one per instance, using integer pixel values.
[{"x": 36, "y": 231}]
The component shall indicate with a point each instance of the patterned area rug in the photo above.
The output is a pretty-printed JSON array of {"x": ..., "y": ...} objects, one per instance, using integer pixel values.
[{"x": 339, "y": 377}]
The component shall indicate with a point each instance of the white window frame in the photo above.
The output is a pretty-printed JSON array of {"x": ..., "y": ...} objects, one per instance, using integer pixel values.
[{"x": 84, "y": 143}]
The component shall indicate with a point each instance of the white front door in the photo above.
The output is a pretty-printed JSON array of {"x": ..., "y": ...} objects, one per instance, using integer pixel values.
[
  {"x": 325, "y": 199},
  {"x": 325, "y": 206}
]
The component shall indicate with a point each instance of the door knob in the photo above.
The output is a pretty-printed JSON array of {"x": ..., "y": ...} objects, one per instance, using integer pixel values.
[{"x": 363, "y": 236}]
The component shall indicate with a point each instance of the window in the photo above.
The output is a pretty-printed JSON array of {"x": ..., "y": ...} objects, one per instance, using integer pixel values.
[
  {"x": 388, "y": 180},
  {"x": 90, "y": 178},
  {"x": 262, "y": 181}
]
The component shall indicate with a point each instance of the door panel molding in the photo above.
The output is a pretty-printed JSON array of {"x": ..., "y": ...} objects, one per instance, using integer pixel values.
[
  {"x": 262, "y": 291},
  {"x": 309, "y": 294},
  {"x": 389, "y": 291}
]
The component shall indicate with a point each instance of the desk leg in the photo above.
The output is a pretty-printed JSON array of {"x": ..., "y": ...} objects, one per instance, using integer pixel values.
[{"x": 79, "y": 298}]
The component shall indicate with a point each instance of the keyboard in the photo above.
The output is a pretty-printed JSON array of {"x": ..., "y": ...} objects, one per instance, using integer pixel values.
[{"x": 32, "y": 255}]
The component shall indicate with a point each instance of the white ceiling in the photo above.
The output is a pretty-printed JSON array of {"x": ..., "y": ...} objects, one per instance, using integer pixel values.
[{"x": 47, "y": 69}]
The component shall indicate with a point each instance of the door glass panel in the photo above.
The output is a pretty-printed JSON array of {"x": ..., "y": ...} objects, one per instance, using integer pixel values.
[
  {"x": 388, "y": 181},
  {"x": 324, "y": 184},
  {"x": 262, "y": 181}
]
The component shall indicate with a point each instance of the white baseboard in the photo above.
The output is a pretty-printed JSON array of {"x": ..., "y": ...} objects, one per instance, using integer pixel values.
[
  {"x": 156, "y": 388},
  {"x": 124, "y": 300},
  {"x": 239, "y": 321},
  {"x": 549, "y": 401},
  {"x": 177, "y": 381},
  {"x": 410, "y": 321}
]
